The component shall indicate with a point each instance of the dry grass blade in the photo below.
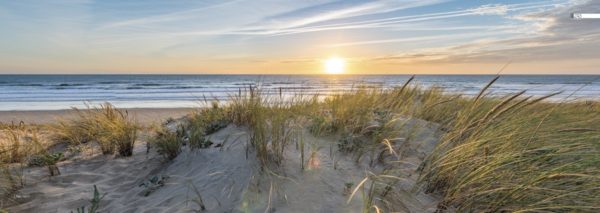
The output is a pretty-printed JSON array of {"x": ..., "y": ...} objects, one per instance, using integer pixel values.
[
  {"x": 363, "y": 181},
  {"x": 482, "y": 92},
  {"x": 268, "y": 209},
  {"x": 406, "y": 84}
]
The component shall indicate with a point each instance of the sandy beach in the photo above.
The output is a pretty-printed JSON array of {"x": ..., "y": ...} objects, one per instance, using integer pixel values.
[
  {"x": 142, "y": 115},
  {"x": 406, "y": 106},
  {"x": 365, "y": 151}
]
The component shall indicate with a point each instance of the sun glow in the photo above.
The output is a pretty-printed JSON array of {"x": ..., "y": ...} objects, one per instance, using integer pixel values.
[{"x": 335, "y": 65}]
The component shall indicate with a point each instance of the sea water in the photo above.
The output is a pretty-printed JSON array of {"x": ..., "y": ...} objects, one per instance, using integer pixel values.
[{"x": 52, "y": 92}]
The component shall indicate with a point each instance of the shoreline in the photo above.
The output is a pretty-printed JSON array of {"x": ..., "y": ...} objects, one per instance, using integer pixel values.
[{"x": 142, "y": 115}]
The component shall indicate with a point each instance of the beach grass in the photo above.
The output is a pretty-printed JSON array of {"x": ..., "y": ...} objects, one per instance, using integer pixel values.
[
  {"x": 204, "y": 122},
  {"x": 168, "y": 143},
  {"x": 113, "y": 129},
  {"x": 270, "y": 122},
  {"x": 17, "y": 144},
  {"x": 518, "y": 154},
  {"x": 510, "y": 153},
  {"x": 497, "y": 153}
]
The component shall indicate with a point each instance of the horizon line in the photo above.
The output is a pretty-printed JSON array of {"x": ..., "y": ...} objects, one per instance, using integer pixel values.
[{"x": 304, "y": 74}]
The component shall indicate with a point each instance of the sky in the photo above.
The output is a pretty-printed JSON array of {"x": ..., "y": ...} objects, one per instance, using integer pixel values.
[{"x": 295, "y": 37}]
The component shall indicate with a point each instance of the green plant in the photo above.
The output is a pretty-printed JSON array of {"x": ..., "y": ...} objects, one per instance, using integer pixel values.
[
  {"x": 152, "y": 184},
  {"x": 95, "y": 203},
  {"x": 205, "y": 122},
  {"x": 198, "y": 141},
  {"x": 168, "y": 143},
  {"x": 49, "y": 160},
  {"x": 197, "y": 137},
  {"x": 348, "y": 188}
]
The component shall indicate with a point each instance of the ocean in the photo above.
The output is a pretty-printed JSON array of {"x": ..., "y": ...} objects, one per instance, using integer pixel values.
[{"x": 53, "y": 92}]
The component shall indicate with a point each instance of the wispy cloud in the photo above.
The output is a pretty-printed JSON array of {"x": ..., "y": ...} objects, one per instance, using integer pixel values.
[
  {"x": 335, "y": 10},
  {"x": 314, "y": 17},
  {"x": 300, "y": 20},
  {"x": 495, "y": 9},
  {"x": 561, "y": 39},
  {"x": 168, "y": 17},
  {"x": 416, "y": 39}
]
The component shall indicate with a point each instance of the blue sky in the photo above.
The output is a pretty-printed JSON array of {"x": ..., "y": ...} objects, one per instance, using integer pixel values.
[{"x": 281, "y": 37}]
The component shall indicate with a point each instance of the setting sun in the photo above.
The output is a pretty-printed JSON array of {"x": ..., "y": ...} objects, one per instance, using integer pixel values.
[{"x": 335, "y": 65}]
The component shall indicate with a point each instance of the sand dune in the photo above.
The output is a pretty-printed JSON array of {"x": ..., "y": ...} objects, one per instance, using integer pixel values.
[{"x": 227, "y": 177}]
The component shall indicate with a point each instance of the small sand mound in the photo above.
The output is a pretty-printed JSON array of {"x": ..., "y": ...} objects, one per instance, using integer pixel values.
[{"x": 323, "y": 187}]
